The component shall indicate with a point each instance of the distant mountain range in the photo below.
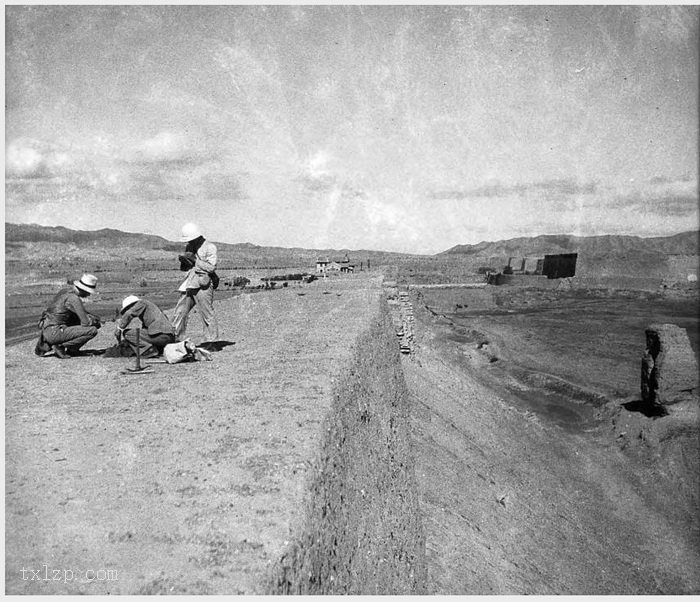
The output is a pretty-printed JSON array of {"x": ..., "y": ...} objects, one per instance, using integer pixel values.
[
  {"x": 685, "y": 243},
  {"x": 59, "y": 234},
  {"x": 107, "y": 238}
]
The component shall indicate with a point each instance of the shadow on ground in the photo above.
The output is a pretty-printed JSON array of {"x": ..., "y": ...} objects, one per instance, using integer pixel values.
[
  {"x": 649, "y": 410},
  {"x": 215, "y": 345}
]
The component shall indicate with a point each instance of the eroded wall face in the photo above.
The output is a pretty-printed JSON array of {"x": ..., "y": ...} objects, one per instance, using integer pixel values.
[
  {"x": 363, "y": 532},
  {"x": 669, "y": 368}
]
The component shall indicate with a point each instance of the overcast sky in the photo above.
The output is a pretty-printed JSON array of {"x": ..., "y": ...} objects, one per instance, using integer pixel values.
[{"x": 409, "y": 128}]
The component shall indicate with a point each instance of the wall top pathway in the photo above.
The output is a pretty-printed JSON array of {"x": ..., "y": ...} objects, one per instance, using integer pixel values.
[{"x": 188, "y": 480}]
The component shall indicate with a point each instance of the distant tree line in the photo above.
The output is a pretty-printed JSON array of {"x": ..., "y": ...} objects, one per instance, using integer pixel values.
[{"x": 237, "y": 281}]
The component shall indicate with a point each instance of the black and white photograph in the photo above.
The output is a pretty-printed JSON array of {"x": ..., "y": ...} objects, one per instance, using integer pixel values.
[{"x": 351, "y": 299}]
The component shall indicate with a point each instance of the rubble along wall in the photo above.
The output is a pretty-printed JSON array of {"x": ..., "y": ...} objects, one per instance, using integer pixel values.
[{"x": 362, "y": 532}]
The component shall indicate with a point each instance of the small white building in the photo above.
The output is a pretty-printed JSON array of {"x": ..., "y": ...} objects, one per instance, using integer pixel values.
[
  {"x": 322, "y": 265},
  {"x": 333, "y": 266},
  {"x": 337, "y": 265}
]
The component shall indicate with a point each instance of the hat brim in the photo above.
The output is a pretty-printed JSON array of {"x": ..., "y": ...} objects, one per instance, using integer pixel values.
[
  {"x": 123, "y": 309},
  {"x": 83, "y": 287}
]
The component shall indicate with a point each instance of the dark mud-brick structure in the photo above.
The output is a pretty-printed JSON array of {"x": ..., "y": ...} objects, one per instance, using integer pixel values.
[
  {"x": 669, "y": 367},
  {"x": 560, "y": 266}
]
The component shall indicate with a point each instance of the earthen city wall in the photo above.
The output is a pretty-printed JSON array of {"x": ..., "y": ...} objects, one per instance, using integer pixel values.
[{"x": 362, "y": 532}]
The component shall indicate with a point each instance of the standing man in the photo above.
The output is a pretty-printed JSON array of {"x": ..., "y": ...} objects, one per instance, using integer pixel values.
[
  {"x": 157, "y": 331},
  {"x": 199, "y": 261},
  {"x": 65, "y": 326}
]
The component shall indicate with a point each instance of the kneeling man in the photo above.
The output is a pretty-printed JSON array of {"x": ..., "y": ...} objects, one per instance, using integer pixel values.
[
  {"x": 65, "y": 325},
  {"x": 156, "y": 333}
]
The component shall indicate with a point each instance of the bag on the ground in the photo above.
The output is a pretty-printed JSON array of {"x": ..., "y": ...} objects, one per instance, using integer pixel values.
[
  {"x": 184, "y": 351},
  {"x": 174, "y": 353}
]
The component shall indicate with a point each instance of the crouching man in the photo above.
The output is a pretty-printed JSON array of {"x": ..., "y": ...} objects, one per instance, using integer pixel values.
[
  {"x": 156, "y": 333},
  {"x": 65, "y": 326}
]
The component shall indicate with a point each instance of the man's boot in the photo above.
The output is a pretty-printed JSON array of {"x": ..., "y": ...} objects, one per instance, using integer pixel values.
[
  {"x": 42, "y": 347},
  {"x": 60, "y": 352}
]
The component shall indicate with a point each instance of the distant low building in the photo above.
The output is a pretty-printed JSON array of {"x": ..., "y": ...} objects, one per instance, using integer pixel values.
[
  {"x": 540, "y": 266},
  {"x": 516, "y": 264},
  {"x": 339, "y": 265},
  {"x": 531, "y": 265}
]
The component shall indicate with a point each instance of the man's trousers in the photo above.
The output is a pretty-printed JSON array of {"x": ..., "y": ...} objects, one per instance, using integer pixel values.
[
  {"x": 149, "y": 344},
  {"x": 203, "y": 298},
  {"x": 70, "y": 337}
]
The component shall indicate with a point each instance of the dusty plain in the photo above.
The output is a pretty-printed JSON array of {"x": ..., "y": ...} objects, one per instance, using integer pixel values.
[{"x": 536, "y": 471}]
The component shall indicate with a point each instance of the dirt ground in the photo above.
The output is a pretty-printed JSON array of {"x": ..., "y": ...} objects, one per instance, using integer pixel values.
[
  {"x": 188, "y": 480},
  {"x": 523, "y": 494}
]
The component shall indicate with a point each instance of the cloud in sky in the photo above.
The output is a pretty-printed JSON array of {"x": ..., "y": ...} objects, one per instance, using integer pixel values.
[
  {"x": 154, "y": 172},
  {"x": 24, "y": 162},
  {"x": 34, "y": 159},
  {"x": 560, "y": 186},
  {"x": 416, "y": 127},
  {"x": 317, "y": 165},
  {"x": 164, "y": 147},
  {"x": 351, "y": 217},
  {"x": 653, "y": 207}
]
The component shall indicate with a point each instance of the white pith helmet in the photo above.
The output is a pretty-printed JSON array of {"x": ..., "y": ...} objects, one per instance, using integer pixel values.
[
  {"x": 130, "y": 300},
  {"x": 87, "y": 283},
  {"x": 190, "y": 231}
]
